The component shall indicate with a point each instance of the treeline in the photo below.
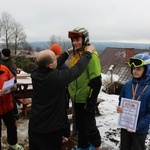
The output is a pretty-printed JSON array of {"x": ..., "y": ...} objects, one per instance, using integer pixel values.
[{"x": 12, "y": 33}]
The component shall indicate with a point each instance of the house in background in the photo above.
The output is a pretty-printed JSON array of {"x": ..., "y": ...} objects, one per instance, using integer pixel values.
[
  {"x": 28, "y": 54},
  {"x": 115, "y": 61}
]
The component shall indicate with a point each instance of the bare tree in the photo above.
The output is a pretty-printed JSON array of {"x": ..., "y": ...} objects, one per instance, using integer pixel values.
[
  {"x": 57, "y": 39},
  {"x": 12, "y": 32},
  {"x": 26, "y": 46},
  {"x": 53, "y": 39},
  {"x": 19, "y": 35},
  {"x": 65, "y": 45},
  {"x": 6, "y": 24}
]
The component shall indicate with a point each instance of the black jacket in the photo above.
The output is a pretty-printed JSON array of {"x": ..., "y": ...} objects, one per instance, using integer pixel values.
[{"x": 48, "y": 101}]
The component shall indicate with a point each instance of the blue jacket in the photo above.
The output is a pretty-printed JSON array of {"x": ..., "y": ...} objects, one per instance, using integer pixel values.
[{"x": 144, "y": 113}]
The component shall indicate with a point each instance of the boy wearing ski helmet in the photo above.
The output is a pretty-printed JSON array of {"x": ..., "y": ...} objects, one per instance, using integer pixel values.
[
  {"x": 138, "y": 88},
  {"x": 84, "y": 91}
]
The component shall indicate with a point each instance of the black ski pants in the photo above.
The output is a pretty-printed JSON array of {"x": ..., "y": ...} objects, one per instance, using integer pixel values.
[
  {"x": 47, "y": 141},
  {"x": 132, "y": 141},
  {"x": 10, "y": 124},
  {"x": 86, "y": 126}
]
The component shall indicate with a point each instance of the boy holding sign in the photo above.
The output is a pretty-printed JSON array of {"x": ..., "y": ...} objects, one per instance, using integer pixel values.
[{"x": 137, "y": 89}]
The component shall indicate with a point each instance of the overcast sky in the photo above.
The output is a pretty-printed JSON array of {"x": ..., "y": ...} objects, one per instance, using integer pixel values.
[{"x": 106, "y": 20}]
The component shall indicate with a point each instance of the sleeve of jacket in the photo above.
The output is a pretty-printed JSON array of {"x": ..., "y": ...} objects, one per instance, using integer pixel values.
[
  {"x": 13, "y": 68},
  {"x": 145, "y": 121},
  {"x": 94, "y": 70},
  {"x": 61, "y": 59},
  {"x": 69, "y": 75},
  {"x": 95, "y": 85}
]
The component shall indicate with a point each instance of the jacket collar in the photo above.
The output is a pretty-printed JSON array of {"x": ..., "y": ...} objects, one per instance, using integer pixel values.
[{"x": 141, "y": 81}]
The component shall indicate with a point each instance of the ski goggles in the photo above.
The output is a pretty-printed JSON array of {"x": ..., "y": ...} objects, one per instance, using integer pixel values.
[
  {"x": 137, "y": 62},
  {"x": 75, "y": 35}
]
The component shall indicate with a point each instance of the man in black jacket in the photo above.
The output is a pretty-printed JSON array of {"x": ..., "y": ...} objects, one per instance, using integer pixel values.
[{"x": 48, "y": 118}]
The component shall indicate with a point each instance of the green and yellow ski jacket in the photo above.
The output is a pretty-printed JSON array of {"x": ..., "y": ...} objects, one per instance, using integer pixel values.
[{"x": 81, "y": 88}]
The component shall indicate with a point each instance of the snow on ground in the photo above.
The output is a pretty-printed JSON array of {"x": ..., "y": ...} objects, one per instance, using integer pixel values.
[
  {"x": 22, "y": 128},
  {"x": 106, "y": 123}
]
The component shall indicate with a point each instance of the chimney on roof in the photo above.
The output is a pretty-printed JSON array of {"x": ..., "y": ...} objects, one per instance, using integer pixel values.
[{"x": 129, "y": 53}]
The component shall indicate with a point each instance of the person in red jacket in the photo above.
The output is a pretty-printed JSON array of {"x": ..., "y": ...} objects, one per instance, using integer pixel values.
[
  {"x": 9, "y": 62},
  {"x": 6, "y": 110}
]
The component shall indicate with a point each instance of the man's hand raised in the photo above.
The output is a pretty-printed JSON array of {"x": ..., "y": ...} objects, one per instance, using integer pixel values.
[{"x": 91, "y": 48}]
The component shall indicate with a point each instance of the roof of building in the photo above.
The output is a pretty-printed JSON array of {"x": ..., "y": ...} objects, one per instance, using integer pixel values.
[
  {"x": 115, "y": 61},
  {"x": 31, "y": 54}
]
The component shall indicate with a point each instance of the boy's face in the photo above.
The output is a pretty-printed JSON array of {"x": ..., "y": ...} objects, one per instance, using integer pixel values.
[
  {"x": 138, "y": 72},
  {"x": 77, "y": 42}
]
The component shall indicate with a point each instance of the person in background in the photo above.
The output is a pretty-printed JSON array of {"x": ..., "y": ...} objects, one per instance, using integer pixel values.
[
  {"x": 84, "y": 91},
  {"x": 56, "y": 48},
  {"x": 7, "y": 60},
  {"x": 6, "y": 109},
  {"x": 10, "y": 64},
  {"x": 48, "y": 111},
  {"x": 138, "y": 88}
]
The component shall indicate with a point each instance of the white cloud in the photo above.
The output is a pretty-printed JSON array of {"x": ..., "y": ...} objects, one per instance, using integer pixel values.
[{"x": 107, "y": 20}]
